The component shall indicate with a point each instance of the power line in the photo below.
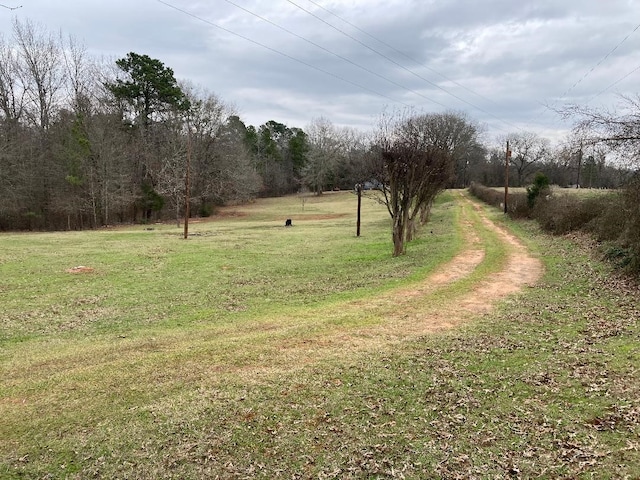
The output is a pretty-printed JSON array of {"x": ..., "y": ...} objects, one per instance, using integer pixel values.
[
  {"x": 185, "y": 12},
  {"x": 334, "y": 54},
  {"x": 302, "y": 62},
  {"x": 11, "y": 8},
  {"x": 396, "y": 63},
  {"x": 400, "y": 52},
  {"x": 599, "y": 63},
  {"x": 552, "y": 107},
  {"x": 614, "y": 84}
]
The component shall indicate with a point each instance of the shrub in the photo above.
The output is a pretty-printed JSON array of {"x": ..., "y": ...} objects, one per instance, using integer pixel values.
[
  {"x": 206, "y": 210},
  {"x": 607, "y": 226},
  {"x": 560, "y": 214},
  {"x": 516, "y": 202},
  {"x": 540, "y": 187},
  {"x": 621, "y": 257},
  {"x": 486, "y": 194},
  {"x": 612, "y": 219},
  {"x": 632, "y": 227}
]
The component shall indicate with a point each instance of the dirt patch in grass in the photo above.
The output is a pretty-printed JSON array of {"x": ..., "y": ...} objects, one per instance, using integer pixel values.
[
  {"x": 224, "y": 214},
  {"x": 80, "y": 269},
  {"x": 221, "y": 214},
  {"x": 326, "y": 216}
]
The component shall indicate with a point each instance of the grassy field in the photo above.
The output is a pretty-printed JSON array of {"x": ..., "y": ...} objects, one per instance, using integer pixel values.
[
  {"x": 249, "y": 351},
  {"x": 556, "y": 190}
]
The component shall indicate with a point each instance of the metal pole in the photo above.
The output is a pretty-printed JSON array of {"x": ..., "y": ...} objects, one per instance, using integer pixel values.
[
  {"x": 359, "y": 188},
  {"x": 506, "y": 177}
]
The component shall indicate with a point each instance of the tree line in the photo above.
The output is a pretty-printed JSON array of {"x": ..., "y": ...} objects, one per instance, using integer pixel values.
[{"x": 86, "y": 143}]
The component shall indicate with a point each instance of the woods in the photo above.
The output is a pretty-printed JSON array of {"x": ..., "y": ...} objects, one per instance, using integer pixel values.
[{"x": 86, "y": 143}]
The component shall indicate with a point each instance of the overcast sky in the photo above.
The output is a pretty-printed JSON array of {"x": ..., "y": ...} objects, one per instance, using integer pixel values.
[{"x": 502, "y": 62}]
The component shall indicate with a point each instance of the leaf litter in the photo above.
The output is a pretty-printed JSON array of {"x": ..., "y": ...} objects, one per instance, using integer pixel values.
[{"x": 546, "y": 386}]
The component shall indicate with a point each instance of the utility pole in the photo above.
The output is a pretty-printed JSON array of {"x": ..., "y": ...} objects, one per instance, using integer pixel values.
[
  {"x": 507, "y": 157},
  {"x": 359, "y": 190},
  {"x": 187, "y": 186},
  {"x": 579, "y": 154}
]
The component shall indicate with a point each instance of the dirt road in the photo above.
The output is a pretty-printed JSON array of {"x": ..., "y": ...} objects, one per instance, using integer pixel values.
[
  {"x": 430, "y": 306},
  {"x": 519, "y": 271}
]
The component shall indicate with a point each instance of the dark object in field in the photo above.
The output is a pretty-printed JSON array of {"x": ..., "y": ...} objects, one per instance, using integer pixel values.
[{"x": 288, "y": 223}]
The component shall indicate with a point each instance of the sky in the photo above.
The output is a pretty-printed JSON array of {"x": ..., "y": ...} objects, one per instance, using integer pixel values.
[{"x": 507, "y": 65}]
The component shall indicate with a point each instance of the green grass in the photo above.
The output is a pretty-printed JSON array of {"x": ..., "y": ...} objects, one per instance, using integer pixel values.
[
  {"x": 160, "y": 314},
  {"x": 232, "y": 269},
  {"x": 182, "y": 367}
]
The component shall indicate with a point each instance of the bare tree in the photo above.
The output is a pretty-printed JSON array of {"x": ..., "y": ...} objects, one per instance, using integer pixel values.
[
  {"x": 354, "y": 167},
  {"x": 233, "y": 177},
  {"x": 11, "y": 112},
  {"x": 562, "y": 166},
  {"x": 11, "y": 90},
  {"x": 81, "y": 73},
  {"x": 172, "y": 174},
  {"x": 41, "y": 78},
  {"x": 458, "y": 135},
  {"x": 221, "y": 163},
  {"x": 529, "y": 151},
  {"x": 40, "y": 71},
  {"x": 414, "y": 171},
  {"x": 110, "y": 182},
  {"x": 325, "y": 150},
  {"x": 619, "y": 130}
]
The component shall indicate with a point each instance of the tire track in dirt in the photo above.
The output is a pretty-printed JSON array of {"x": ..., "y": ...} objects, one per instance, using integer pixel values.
[
  {"x": 400, "y": 314},
  {"x": 521, "y": 270},
  {"x": 407, "y": 315},
  {"x": 459, "y": 267}
]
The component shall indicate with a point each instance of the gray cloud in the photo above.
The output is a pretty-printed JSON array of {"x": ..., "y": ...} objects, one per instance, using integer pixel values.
[{"x": 498, "y": 60}]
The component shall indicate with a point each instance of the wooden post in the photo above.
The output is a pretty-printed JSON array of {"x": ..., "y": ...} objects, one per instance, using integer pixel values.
[
  {"x": 359, "y": 189},
  {"x": 187, "y": 187},
  {"x": 506, "y": 177},
  {"x": 579, "y": 167}
]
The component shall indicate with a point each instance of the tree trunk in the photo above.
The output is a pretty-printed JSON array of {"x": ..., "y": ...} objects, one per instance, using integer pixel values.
[
  {"x": 411, "y": 230},
  {"x": 425, "y": 213},
  {"x": 399, "y": 231}
]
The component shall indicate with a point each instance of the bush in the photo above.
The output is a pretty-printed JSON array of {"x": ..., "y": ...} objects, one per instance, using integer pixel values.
[
  {"x": 607, "y": 226},
  {"x": 516, "y": 202},
  {"x": 612, "y": 219},
  {"x": 632, "y": 224},
  {"x": 540, "y": 187},
  {"x": 206, "y": 210},
  {"x": 619, "y": 256},
  {"x": 560, "y": 214}
]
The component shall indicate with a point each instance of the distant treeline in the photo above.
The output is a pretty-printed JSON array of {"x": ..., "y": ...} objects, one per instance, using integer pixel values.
[{"x": 87, "y": 142}]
